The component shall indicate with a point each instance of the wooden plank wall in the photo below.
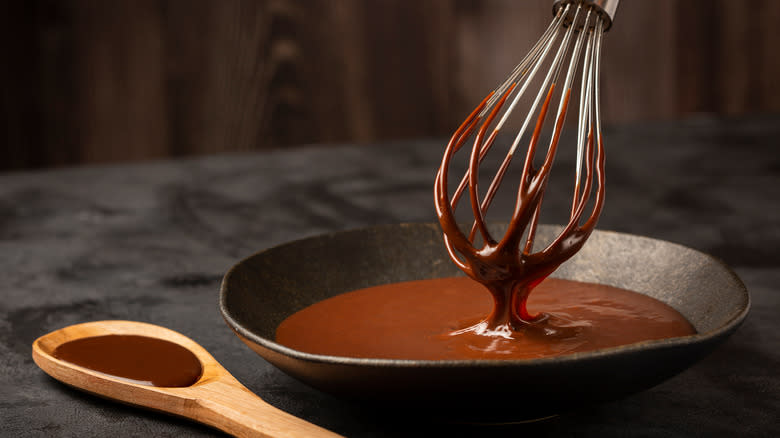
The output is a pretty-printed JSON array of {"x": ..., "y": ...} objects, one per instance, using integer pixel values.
[{"x": 107, "y": 81}]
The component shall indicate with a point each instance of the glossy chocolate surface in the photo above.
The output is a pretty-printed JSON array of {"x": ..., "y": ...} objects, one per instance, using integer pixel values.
[
  {"x": 137, "y": 359},
  {"x": 433, "y": 320}
]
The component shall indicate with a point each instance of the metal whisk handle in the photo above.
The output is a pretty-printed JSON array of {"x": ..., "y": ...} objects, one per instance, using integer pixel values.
[{"x": 606, "y": 8}]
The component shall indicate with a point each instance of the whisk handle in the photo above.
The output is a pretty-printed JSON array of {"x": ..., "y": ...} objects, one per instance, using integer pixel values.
[{"x": 607, "y": 8}]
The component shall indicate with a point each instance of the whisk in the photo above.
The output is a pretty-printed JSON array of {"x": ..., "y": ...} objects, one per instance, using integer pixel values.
[{"x": 510, "y": 267}]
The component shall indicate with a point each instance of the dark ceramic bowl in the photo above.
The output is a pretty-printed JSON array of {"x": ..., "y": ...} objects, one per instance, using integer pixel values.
[{"x": 264, "y": 289}]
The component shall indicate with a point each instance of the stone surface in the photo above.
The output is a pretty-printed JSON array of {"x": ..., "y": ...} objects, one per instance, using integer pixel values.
[{"x": 151, "y": 242}]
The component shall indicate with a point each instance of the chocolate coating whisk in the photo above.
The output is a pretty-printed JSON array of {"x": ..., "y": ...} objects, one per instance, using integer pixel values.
[{"x": 510, "y": 267}]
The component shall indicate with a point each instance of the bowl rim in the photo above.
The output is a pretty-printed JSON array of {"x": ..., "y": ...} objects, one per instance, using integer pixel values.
[{"x": 643, "y": 346}]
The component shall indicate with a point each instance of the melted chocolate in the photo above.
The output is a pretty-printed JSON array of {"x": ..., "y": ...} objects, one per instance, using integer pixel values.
[
  {"x": 441, "y": 319},
  {"x": 137, "y": 359}
]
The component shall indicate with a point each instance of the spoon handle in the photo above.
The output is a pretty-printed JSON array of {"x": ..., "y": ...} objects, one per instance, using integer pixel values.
[{"x": 230, "y": 407}]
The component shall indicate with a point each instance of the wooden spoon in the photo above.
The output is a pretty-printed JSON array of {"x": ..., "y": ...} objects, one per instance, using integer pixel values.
[{"x": 216, "y": 398}]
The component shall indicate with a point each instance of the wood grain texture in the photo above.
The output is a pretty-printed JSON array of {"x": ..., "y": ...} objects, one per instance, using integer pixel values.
[
  {"x": 216, "y": 399},
  {"x": 106, "y": 81}
]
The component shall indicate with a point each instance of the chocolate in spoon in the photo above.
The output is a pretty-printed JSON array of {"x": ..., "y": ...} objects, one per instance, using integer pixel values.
[{"x": 175, "y": 375}]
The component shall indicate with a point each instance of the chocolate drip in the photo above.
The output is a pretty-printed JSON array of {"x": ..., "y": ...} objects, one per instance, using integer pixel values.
[{"x": 508, "y": 267}]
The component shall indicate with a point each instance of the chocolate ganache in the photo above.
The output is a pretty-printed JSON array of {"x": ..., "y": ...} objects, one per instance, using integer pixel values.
[{"x": 138, "y": 359}]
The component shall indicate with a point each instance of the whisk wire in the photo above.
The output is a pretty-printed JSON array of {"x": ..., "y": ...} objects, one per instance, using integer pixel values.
[
  {"x": 538, "y": 179},
  {"x": 533, "y": 58},
  {"x": 537, "y": 56},
  {"x": 583, "y": 121},
  {"x": 573, "y": 38},
  {"x": 530, "y": 58}
]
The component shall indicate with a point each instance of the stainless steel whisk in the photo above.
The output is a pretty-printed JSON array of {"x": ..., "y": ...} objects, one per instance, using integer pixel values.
[{"x": 509, "y": 267}]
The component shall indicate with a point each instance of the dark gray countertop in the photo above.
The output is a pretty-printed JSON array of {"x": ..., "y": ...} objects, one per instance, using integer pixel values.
[{"x": 151, "y": 242}]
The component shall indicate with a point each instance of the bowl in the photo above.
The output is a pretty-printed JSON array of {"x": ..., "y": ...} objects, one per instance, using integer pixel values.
[{"x": 258, "y": 293}]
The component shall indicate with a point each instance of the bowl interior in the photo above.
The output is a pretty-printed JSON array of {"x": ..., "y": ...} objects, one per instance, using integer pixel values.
[{"x": 264, "y": 289}]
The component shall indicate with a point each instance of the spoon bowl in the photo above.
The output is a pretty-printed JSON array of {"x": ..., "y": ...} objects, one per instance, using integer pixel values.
[{"x": 216, "y": 398}]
